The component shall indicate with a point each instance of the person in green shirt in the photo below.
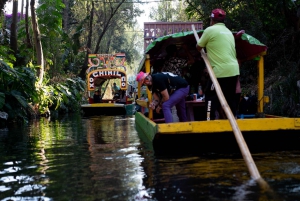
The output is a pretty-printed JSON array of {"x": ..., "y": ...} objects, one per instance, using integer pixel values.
[{"x": 220, "y": 46}]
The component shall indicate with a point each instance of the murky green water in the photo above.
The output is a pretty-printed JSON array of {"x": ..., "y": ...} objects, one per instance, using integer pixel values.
[{"x": 103, "y": 158}]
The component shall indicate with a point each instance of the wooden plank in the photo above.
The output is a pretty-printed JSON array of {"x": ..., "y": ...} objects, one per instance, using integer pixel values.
[
  {"x": 148, "y": 127},
  {"x": 219, "y": 126},
  {"x": 297, "y": 122},
  {"x": 178, "y": 128}
]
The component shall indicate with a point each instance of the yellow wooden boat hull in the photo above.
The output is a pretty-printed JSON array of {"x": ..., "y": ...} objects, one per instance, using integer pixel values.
[
  {"x": 271, "y": 123},
  {"x": 260, "y": 134}
]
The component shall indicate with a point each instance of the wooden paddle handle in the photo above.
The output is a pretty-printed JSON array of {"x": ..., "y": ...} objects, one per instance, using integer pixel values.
[{"x": 236, "y": 130}]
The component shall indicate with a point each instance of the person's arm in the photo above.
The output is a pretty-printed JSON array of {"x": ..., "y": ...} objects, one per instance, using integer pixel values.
[
  {"x": 165, "y": 95},
  {"x": 205, "y": 37},
  {"x": 199, "y": 48},
  {"x": 158, "y": 103},
  {"x": 155, "y": 101}
]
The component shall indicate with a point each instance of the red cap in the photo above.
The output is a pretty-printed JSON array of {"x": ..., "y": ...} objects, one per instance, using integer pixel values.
[
  {"x": 218, "y": 14},
  {"x": 141, "y": 76}
]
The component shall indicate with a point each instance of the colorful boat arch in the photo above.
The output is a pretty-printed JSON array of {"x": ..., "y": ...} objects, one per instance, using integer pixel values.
[{"x": 104, "y": 67}]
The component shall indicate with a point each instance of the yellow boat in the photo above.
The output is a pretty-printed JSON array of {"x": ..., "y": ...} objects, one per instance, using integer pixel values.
[
  {"x": 102, "y": 69},
  {"x": 260, "y": 130}
]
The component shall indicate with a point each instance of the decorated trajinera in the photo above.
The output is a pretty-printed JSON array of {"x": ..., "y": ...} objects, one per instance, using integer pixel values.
[
  {"x": 107, "y": 70},
  {"x": 261, "y": 131}
]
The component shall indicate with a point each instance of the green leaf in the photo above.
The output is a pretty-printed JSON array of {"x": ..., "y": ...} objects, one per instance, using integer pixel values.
[{"x": 20, "y": 98}]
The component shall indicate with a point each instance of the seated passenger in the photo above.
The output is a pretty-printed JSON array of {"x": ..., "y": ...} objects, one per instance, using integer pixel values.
[
  {"x": 116, "y": 96},
  {"x": 97, "y": 96},
  {"x": 122, "y": 97}
]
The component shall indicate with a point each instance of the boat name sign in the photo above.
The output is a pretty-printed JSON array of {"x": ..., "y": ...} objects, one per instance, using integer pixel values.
[{"x": 107, "y": 74}]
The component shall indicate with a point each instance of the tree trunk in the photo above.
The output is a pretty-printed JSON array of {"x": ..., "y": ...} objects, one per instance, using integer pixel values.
[
  {"x": 22, "y": 10},
  {"x": 28, "y": 42},
  {"x": 89, "y": 43},
  {"x": 66, "y": 15},
  {"x": 13, "y": 28},
  {"x": 37, "y": 43}
]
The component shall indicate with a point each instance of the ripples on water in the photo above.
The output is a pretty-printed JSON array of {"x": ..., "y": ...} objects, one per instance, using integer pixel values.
[{"x": 103, "y": 158}]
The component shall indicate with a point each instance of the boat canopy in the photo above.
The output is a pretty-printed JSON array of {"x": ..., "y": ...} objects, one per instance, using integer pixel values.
[{"x": 247, "y": 47}]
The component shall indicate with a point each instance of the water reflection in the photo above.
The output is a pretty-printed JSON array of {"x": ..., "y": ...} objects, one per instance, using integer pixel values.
[
  {"x": 104, "y": 158},
  {"x": 72, "y": 159},
  {"x": 115, "y": 161},
  {"x": 211, "y": 176}
]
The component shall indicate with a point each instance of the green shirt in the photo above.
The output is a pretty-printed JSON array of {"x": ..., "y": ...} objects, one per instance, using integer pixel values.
[{"x": 220, "y": 47}]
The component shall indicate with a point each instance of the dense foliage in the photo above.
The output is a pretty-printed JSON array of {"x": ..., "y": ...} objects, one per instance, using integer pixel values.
[
  {"x": 22, "y": 100},
  {"x": 43, "y": 72}
]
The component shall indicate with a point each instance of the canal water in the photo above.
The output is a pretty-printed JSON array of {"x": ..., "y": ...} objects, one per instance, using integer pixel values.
[{"x": 103, "y": 158}]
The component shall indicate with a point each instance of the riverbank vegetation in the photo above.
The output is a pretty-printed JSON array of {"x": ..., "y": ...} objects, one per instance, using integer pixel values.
[{"x": 44, "y": 48}]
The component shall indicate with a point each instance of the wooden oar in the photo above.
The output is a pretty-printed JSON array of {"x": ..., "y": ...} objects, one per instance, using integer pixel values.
[{"x": 236, "y": 130}]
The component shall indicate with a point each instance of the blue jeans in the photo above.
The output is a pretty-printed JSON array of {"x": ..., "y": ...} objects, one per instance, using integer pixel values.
[{"x": 176, "y": 99}]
